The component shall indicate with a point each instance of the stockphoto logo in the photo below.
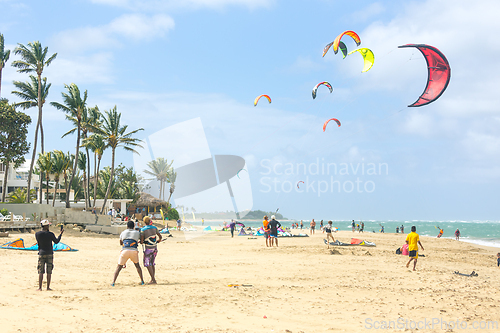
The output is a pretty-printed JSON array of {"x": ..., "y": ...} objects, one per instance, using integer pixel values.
[
  {"x": 320, "y": 177},
  {"x": 206, "y": 182}
]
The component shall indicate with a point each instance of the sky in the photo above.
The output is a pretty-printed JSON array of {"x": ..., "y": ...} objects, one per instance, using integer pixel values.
[{"x": 166, "y": 62}]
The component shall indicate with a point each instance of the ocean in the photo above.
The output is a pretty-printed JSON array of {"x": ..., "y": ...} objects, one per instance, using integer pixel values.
[{"x": 478, "y": 232}]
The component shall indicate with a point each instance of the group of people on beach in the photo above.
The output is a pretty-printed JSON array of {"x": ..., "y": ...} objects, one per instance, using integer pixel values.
[
  {"x": 271, "y": 230},
  {"x": 148, "y": 236}
]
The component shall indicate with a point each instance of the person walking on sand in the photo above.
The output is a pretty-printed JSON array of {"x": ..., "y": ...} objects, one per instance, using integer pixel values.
[
  {"x": 129, "y": 239},
  {"x": 45, "y": 238},
  {"x": 273, "y": 230},
  {"x": 353, "y": 225},
  {"x": 362, "y": 227},
  {"x": 313, "y": 226},
  {"x": 232, "y": 226},
  {"x": 150, "y": 236},
  {"x": 413, "y": 241},
  {"x": 498, "y": 259},
  {"x": 328, "y": 230},
  {"x": 457, "y": 234},
  {"x": 267, "y": 231}
]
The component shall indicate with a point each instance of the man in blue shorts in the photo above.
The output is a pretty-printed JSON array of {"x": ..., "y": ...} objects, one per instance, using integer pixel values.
[
  {"x": 273, "y": 227},
  {"x": 150, "y": 236}
]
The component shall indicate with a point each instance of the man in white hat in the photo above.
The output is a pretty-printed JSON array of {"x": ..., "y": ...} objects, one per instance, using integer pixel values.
[{"x": 45, "y": 238}]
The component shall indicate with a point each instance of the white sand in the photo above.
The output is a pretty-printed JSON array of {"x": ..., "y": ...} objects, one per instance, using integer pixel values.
[{"x": 299, "y": 287}]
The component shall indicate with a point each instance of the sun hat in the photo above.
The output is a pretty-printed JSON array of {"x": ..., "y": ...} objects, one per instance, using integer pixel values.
[{"x": 45, "y": 222}]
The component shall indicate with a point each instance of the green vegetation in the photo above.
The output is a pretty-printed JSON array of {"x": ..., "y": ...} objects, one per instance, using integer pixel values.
[{"x": 13, "y": 143}]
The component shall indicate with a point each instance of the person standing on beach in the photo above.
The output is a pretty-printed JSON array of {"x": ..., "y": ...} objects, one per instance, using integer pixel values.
[
  {"x": 353, "y": 225},
  {"x": 328, "y": 229},
  {"x": 313, "y": 226},
  {"x": 402, "y": 229},
  {"x": 273, "y": 230},
  {"x": 362, "y": 227},
  {"x": 321, "y": 226},
  {"x": 45, "y": 238},
  {"x": 129, "y": 239},
  {"x": 457, "y": 234},
  {"x": 301, "y": 225},
  {"x": 232, "y": 226},
  {"x": 498, "y": 259},
  {"x": 267, "y": 231},
  {"x": 413, "y": 240},
  {"x": 150, "y": 236}
]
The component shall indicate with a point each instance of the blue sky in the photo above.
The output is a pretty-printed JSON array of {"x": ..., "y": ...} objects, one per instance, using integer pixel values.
[{"x": 164, "y": 62}]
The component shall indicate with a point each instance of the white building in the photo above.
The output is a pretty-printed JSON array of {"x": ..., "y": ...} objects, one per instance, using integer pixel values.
[{"x": 17, "y": 178}]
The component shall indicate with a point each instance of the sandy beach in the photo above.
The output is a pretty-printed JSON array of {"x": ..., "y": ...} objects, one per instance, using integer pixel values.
[{"x": 299, "y": 287}]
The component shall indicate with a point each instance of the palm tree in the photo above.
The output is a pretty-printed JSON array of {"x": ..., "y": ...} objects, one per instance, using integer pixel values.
[
  {"x": 44, "y": 164},
  {"x": 33, "y": 60},
  {"x": 89, "y": 119},
  {"x": 28, "y": 92},
  {"x": 19, "y": 195},
  {"x": 4, "y": 57},
  {"x": 159, "y": 168},
  {"x": 115, "y": 136},
  {"x": 74, "y": 106},
  {"x": 82, "y": 165},
  {"x": 59, "y": 164},
  {"x": 96, "y": 144},
  {"x": 172, "y": 177}
]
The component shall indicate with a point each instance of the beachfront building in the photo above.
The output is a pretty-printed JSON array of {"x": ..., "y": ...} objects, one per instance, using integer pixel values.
[{"x": 17, "y": 178}]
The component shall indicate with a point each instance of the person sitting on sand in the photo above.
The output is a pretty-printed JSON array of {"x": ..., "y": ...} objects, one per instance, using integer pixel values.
[
  {"x": 129, "y": 239},
  {"x": 457, "y": 234},
  {"x": 150, "y": 236},
  {"x": 45, "y": 238},
  {"x": 273, "y": 227},
  {"x": 328, "y": 230},
  {"x": 413, "y": 241}
]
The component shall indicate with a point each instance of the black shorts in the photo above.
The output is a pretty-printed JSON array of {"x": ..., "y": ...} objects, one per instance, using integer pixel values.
[{"x": 413, "y": 254}]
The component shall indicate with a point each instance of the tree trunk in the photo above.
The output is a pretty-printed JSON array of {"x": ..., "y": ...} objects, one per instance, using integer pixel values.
[
  {"x": 68, "y": 190},
  {"x": 42, "y": 149},
  {"x": 85, "y": 193},
  {"x": 30, "y": 172},
  {"x": 4, "y": 189},
  {"x": 96, "y": 179},
  {"x": 47, "y": 180},
  {"x": 55, "y": 189},
  {"x": 40, "y": 190},
  {"x": 110, "y": 179},
  {"x": 88, "y": 179},
  {"x": 1, "y": 82}
]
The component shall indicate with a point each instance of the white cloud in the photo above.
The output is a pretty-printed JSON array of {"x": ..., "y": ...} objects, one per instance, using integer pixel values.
[
  {"x": 369, "y": 12},
  {"x": 190, "y": 4},
  {"x": 114, "y": 34}
]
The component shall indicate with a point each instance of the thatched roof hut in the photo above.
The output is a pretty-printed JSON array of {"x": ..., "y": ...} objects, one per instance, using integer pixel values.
[{"x": 147, "y": 200}]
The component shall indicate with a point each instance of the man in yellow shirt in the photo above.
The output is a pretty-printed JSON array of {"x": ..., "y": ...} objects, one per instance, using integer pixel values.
[{"x": 413, "y": 241}]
